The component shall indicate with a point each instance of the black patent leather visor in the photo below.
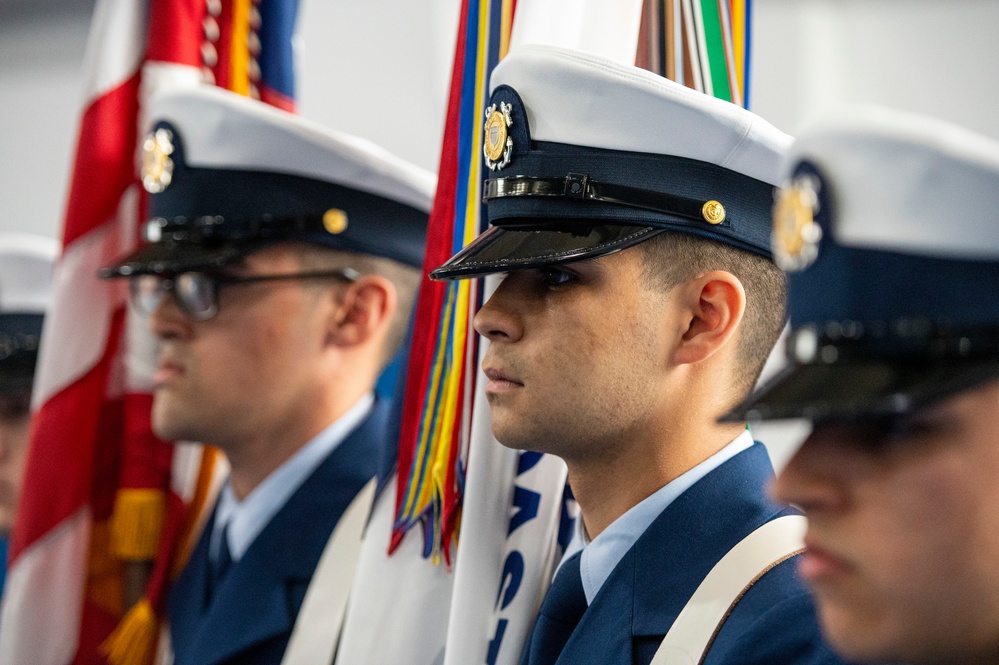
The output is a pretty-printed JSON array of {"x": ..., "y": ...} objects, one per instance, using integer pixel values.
[
  {"x": 861, "y": 389},
  {"x": 171, "y": 258},
  {"x": 523, "y": 247}
]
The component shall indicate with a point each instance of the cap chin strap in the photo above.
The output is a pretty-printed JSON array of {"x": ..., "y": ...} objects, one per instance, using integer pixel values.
[
  {"x": 204, "y": 228},
  {"x": 582, "y": 187}
]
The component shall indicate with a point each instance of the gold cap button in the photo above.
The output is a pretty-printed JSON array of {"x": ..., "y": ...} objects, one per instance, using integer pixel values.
[
  {"x": 335, "y": 221},
  {"x": 713, "y": 212}
]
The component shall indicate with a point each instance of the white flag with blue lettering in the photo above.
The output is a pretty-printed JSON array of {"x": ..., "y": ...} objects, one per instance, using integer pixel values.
[{"x": 509, "y": 545}]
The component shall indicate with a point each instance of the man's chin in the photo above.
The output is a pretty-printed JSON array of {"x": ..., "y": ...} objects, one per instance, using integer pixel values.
[
  {"x": 170, "y": 428},
  {"x": 6, "y": 522},
  {"x": 505, "y": 430},
  {"x": 171, "y": 414},
  {"x": 853, "y": 636},
  {"x": 519, "y": 440}
]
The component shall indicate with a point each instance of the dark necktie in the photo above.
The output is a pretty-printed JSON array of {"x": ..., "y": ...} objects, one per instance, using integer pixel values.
[
  {"x": 218, "y": 565},
  {"x": 561, "y": 610}
]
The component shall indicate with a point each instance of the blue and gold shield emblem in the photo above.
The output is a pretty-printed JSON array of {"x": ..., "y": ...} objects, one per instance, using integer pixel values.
[{"x": 498, "y": 145}]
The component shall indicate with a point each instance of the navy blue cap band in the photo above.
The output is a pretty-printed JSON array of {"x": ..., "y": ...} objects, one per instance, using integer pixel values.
[
  {"x": 207, "y": 217},
  {"x": 876, "y": 285},
  {"x": 19, "y": 339},
  {"x": 673, "y": 189},
  {"x": 250, "y": 205},
  {"x": 580, "y": 186}
]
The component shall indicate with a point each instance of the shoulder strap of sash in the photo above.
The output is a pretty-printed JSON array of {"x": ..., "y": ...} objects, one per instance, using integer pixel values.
[
  {"x": 317, "y": 630},
  {"x": 697, "y": 625}
]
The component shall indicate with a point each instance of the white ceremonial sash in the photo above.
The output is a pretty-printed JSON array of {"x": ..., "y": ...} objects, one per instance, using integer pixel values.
[
  {"x": 695, "y": 628},
  {"x": 317, "y": 630}
]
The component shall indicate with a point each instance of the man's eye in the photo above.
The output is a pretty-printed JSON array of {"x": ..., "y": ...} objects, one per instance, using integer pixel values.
[{"x": 555, "y": 276}]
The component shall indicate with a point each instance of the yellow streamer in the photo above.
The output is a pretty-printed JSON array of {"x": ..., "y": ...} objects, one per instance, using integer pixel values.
[
  {"x": 239, "y": 51},
  {"x": 739, "y": 43}
]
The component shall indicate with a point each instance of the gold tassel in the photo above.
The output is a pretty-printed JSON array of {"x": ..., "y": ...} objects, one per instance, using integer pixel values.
[
  {"x": 136, "y": 523},
  {"x": 133, "y": 640},
  {"x": 104, "y": 572}
]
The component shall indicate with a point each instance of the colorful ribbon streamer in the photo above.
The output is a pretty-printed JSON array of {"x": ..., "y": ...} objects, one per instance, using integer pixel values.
[{"x": 440, "y": 382}]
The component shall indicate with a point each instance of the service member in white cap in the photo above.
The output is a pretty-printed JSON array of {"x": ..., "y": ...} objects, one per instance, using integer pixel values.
[
  {"x": 25, "y": 293},
  {"x": 631, "y": 216},
  {"x": 283, "y": 260},
  {"x": 890, "y": 226}
]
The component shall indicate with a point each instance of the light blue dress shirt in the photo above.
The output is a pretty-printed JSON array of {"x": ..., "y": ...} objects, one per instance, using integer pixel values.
[
  {"x": 602, "y": 554},
  {"x": 247, "y": 518}
]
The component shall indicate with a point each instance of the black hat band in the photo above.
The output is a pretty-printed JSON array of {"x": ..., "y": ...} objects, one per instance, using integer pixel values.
[
  {"x": 580, "y": 186},
  {"x": 901, "y": 340}
]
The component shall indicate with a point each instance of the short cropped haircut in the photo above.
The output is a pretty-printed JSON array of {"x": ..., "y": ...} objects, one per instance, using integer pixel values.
[
  {"x": 405, "y": 279},
  {"x": 673, "y": 258}
]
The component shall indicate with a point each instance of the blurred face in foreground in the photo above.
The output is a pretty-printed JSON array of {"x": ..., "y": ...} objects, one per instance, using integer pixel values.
[
  {"x": 903, "y": 536},
  {"x": 15, "y": 421}
]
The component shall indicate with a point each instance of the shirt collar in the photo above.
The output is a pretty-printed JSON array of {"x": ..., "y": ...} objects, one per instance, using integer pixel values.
[
  {"x": 602, "y": 554},
  {"x": 247, "y": 518}
]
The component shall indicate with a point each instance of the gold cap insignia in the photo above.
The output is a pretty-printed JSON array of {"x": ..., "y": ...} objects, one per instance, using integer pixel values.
[
  {"x": 335, "y": 221},
  {"x": 498, "y": 145},
  {"x": 157, "y": 167},
  {"x": 713, "y": 212},
  {"x": 796, "y": 235}
]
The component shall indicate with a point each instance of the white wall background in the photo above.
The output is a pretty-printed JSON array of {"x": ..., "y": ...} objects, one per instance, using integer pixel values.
[
  {"x": 931, "y": 56},
  {"x": 380, "y": 69}
]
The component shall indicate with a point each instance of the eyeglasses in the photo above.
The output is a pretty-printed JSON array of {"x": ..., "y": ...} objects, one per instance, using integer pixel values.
[{"x": 197, "y": 293}]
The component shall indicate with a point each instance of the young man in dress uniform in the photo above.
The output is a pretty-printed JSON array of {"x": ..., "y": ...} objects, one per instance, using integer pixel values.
[
  {"x": 890, "y": 227},
  {"x": 25, "y": 293},
  {"x": 283, "y": 260},
  {"x": 631, "y": 217}
]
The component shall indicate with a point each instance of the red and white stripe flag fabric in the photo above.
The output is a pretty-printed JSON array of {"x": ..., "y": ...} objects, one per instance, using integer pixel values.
[
  {"x": 49, "y": 604},
  {"x": 91, "y": 436}
]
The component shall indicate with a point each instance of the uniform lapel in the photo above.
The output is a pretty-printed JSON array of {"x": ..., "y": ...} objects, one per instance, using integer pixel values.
[
  {"x": 648, "y": 588},
  {"x": 260, "y": 596},
  {"x": 697, "y": 530},
  {"x": 187, "y": 596}
]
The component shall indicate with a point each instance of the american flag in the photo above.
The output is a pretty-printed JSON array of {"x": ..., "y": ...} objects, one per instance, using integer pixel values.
[{"x": 91, "y": 443}]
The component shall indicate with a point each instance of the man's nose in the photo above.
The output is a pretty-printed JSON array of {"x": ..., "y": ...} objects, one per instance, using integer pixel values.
[
  {"x": 167, "y": 320},
  {"x": 813, "y": 480},
  {"x": 497, "y": 320}
]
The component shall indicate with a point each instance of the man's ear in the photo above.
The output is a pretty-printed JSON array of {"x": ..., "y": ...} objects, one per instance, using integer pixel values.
[
  {"x": 714, "y": 304},
  {"x": 363, "y": 311}
]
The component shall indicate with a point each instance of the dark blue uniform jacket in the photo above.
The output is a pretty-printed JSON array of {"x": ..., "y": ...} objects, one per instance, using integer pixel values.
[
  {"x": 773, "y": 624},
  {"x": 250, "y": 615}
]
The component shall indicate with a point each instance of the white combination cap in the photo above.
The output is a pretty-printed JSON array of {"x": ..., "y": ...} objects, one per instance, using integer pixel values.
[
  {"x": 905, "y": 182},
  {"x": 889, "y": 228},
  {"x": 228, "y": 175},
  {"x": 26, "y": 263},
  {"x": 585, "y": 156}
]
